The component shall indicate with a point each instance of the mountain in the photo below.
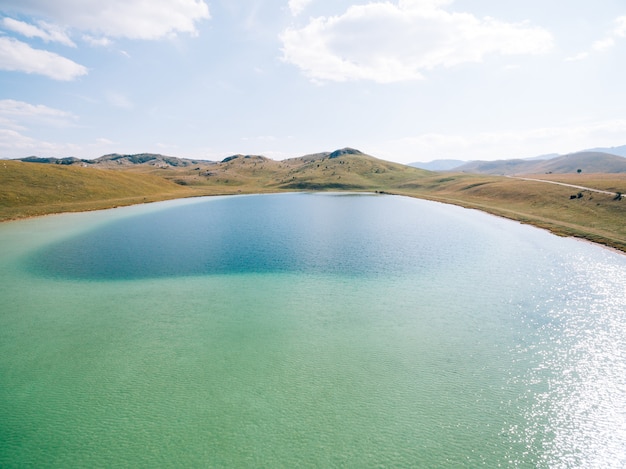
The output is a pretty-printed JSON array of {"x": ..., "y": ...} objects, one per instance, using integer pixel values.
[
  {"x": 547, "y": 156},
  {"x": 438, "y": 165},
  {"x": 65, "y": 161},
  {"x": 115, "y": 159},
  {"x": 619, "y": 151},
  {"x": 344, "y": 151},
  {"x": 586, "y": 161},
  {"x": 301, "y": 169},
  {"x": 452, "y": 165},
  {"x": 29, "y": 188},
  {"x": 151, "y": 159},
  {"x": 500, "y": 167},
  {"x": 345, "y": 168}
]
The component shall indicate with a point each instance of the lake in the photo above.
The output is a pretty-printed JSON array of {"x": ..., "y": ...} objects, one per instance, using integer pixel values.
[{"x": 308, "y": 330}]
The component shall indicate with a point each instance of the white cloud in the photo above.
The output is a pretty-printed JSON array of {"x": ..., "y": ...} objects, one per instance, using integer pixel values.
[
  {"x": 505, "y": 144},
  {"x": 17, "y": 117},
  {"x": 620, "y": 27},
  {"x": 297, "y": 6},
  {"x": 603, "y": 44},
  {"x": 424, "y": 4},
  {"x": 20, "y": 112},
  {"x": 606, "y": 43},
  {"x": 19, "y": 56},
  {"x": 134, "y": 19},
  {"x": 387, "y": 42},
  {"x": 46, "y": 31},
  {"x": 97, "y": 41},
  {"x": 577, "y": 57},
  {"x": 13, "y": 144}
]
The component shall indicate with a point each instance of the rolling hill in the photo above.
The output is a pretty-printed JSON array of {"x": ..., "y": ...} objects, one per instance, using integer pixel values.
[
  {"x": 115, "y": 159},
  {"x": 28, "y": 189},
  {"x": 619, "y": 151},
  {"x": 343, "y": 169},
  {"x": 35, "y": 186},
  {"x": 587, "y": 162}
]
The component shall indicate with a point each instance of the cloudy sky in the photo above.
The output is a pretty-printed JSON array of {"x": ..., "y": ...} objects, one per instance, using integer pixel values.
[{"x": 403, "y": 80}]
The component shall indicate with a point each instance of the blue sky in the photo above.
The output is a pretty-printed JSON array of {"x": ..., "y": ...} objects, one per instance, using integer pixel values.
[{"x": 403, "y": 80}]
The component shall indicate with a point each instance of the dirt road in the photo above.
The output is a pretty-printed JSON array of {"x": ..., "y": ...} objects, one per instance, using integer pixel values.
[{"x": 564, "y": 184}]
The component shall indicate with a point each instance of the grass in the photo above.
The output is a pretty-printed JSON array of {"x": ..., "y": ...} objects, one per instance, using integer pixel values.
[
  {"x": 257, "y": 174},
  {"x": 602, "y": 181},
  {"x": 29, "y": 189},
  {"x": 595, "y": 217}
]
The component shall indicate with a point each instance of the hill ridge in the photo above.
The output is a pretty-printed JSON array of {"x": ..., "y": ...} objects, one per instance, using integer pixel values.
[{"x": 585, "y": 161}]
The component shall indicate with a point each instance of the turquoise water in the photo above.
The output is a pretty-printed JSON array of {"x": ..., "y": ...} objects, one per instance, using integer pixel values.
[{"x": 308, "y": 330}]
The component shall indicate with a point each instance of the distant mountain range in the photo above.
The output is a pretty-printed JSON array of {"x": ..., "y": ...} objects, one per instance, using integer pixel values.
[
  {"x": 116, "y": 159},
  {"x": 619, "y": 151},
  {"x": 342, "y": 169},
  {"x": 598, "y": 160},
  {"x": 439, "y": 165},
  {"x": 157, "y": 160},
  {"x": 589, "y": 161}
]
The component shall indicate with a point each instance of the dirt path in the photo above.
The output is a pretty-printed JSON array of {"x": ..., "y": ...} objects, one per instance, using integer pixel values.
[{"x": 566, "y": 185}]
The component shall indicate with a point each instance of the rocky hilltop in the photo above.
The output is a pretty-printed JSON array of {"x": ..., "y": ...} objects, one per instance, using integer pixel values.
[{"x": 116, "y": 159}]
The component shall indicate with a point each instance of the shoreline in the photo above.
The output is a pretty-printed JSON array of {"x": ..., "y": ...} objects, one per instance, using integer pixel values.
[{"x": 553, "y": 226}]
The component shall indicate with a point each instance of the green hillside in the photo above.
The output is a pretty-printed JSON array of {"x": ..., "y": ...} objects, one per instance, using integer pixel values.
[
  {"x": 565, "y": 211},
  {"x": 48, "y": 186},
  {"x": 345, "y": 169},
  {"x": 28, "y": 189}
]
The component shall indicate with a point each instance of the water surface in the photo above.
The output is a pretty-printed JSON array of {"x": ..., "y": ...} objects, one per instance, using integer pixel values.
[{"x": 310, "y": 330}]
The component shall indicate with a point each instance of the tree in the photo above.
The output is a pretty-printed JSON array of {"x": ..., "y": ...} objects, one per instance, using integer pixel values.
[{"x": 579, "y": 170}]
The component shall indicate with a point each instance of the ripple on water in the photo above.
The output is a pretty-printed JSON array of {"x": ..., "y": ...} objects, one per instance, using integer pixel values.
[
  {"x": 577, "y": 390},
  {"x": 318, "y": 331}
]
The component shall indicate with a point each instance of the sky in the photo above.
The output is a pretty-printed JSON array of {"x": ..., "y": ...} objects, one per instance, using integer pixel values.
[{"x": 402, "y": 80}]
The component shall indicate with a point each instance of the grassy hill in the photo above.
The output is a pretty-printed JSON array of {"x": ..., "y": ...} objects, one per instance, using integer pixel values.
[
  {"x": 565, "y": 211},
  {"x": 42, "y": 186},
  {"x": 345, "y": 169},
  {"x": 619, "y": 151},
  {"x": 28, "y": 189},
  {"x": 587, "y": 162}
]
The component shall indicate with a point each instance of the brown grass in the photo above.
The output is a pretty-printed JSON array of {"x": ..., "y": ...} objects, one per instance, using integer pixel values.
[
  {"x": 596, "y": 217},
  {"x": 29, "y": 189}
]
